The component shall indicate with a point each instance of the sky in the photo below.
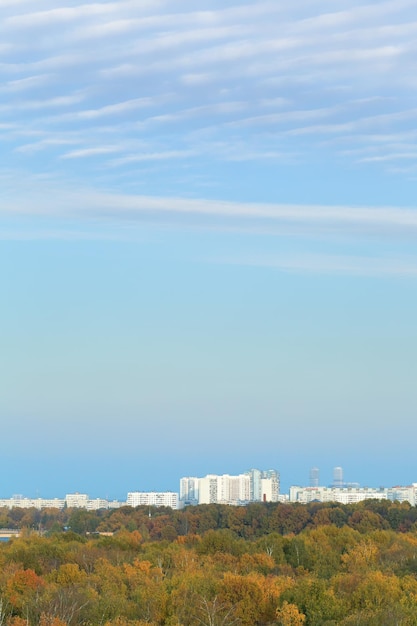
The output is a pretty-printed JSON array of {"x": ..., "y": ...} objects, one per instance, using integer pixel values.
[{"x": 208, "y": 232}]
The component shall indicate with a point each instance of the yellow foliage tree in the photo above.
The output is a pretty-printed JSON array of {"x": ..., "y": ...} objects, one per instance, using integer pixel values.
[
  {"x": 70, "y": 574},
  {"x": 17, "y": 621},
  {"x": 289, "y": 615}
]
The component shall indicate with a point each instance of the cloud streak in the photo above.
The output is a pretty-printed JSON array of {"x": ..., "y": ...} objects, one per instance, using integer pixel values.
[
  {"x": 144, "y": 106},
  {"x": 367, "y": 267},
  {"x": 87, "y": 215},
  {"x": 87, "y": 202}
]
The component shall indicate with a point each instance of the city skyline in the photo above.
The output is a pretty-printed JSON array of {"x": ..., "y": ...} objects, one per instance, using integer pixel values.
[
  {"x": 183, "y": 484},
  {"x": 208, "y": 233}
]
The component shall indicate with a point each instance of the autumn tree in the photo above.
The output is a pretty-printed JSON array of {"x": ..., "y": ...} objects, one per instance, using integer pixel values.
[{"x": 289, "y": 615}]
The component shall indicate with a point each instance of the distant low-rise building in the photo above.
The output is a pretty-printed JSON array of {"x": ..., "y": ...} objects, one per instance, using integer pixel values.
[
  {"x": 343, "y": 495},
  {"x": 21, "y": 502},
  {"x": 72, "y": 500},
  {"x": 96, "y": 504},
  {"x": 404, "y": 494},
  {"x": 153, "y": 498},
  {"x": 76, "y": 500}
]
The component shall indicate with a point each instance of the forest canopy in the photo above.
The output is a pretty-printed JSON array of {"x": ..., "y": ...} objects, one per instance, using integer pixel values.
[{"x": 265, "y": 564}]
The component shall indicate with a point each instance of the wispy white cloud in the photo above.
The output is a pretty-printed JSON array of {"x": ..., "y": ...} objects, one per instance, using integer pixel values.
[
  {"x": 48, "y": 103},
  {"x": 106, "y": 86},
  {"x": 46, "y": 143},
  {"x": 333, "y": 265},
  {"x": 57, "y": 15},
  {"x": 109, "y": 216},
  {"x": 395, "y": 156},
  {"x": 336, "y": 215},
  {"x": 91, "y": 152},
  {"x": 118, "y": 108},
  {"x": 40, "y": 198},
  {"x": 285, "y": 117},
  {"x": 151, "y": 156},
  {"x": 26, "y": 83}
]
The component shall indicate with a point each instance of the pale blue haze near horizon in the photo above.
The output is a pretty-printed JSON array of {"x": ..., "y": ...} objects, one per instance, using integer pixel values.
[{"x": 208, "y": 232}]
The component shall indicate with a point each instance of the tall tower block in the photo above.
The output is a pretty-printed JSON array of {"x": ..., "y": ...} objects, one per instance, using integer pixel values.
[
  {"x": 338, "y": 477},
  {"x": 314, "y": 476}
]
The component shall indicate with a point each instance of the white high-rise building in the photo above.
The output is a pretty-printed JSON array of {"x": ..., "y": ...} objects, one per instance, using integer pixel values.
[
  {"x": 269, "y": 490},
  {"x": 265, "y": 485},
  {"x": 223, "y": 488},
  {"x": 207, "y": 489},
  {"x": 244, "y": 487},
  {"x": 314, "y": 477},
  {"x": 338, "y": 477},
  {"x": 270, "y": 486},
  {"x": 189, "y": 489},
  {"x": 252, "y": 486},
  {"x": 255, "y": 476}
]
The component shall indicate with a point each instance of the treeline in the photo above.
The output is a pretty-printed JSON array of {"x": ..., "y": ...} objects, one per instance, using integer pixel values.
[
  {"x": 213, "y": 566},
  {"x": 247, "y": 522}
]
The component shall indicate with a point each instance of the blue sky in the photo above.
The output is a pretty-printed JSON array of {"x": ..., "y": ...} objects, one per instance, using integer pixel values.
[{"x": 208, "y": 242}]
